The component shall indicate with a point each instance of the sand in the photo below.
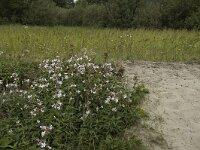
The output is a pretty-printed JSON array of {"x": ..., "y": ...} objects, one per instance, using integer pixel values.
[{"x": 173, "y": 104}]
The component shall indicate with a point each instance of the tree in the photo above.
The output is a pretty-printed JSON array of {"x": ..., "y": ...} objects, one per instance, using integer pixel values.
[
  {"x": 97, "y": 1},
  {"x": 193, "y": 21},
  {"x": 41, "y": 12},
  {"x": 14, "y": 9},
  {"x": 82, "y": 3},
  {"x": 95, "y": 15},
  {"x": 121, "y": 12},
  {"x": 148, "y": 14},
  {"x": 65, "y": 3},
  {"x": 175, "y": 12}
]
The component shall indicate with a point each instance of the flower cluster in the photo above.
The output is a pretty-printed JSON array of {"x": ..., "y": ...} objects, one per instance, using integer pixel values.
[
  {"x": 1, "y": 53},
  {"x": 67, "y": 95}
]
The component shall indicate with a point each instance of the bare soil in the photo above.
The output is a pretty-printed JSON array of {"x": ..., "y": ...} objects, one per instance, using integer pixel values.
[{"x": 173, "y": 104}]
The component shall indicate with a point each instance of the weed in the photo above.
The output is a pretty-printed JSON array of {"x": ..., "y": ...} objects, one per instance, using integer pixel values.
[{"x": 68, "y": 104}]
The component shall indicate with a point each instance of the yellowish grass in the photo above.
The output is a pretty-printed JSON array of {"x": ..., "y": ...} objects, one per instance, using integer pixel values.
[{"x": 37, "y": 43}]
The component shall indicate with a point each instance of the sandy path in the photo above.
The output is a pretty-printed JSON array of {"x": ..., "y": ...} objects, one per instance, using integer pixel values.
[{"x": 173, "y": 102}]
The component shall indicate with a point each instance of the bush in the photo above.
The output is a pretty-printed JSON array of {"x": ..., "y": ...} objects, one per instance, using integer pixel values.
[
  {"x": 148, "y": 14},
  {"x": 73, "y": 104},
  {"x": 23, "y": 69},
  {"x": 72, "y": 17},
  {"x": 175, "y": 13},
  {"x": 193, "y": 21},
  {"x": 41, "y": 12},
  {"x": 3, "y": 20},
  {"x": 95, "y": 15}
]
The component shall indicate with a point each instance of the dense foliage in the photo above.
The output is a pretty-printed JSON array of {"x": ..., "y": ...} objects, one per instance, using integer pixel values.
[
  {"x": 103, "y": 13},
  {"x": 66, "y": 104}
]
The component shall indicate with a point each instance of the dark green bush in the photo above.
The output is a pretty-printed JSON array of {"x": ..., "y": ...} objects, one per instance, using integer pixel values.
[
  {"x": 148, "y": 14},
  {"x": 175, "y": 14},
  {"x": 193, "y": 21},
  {"x": 95, "y": 15},
  {"x": 41, "y": 12},
  {"x": 73, "y": 17}
]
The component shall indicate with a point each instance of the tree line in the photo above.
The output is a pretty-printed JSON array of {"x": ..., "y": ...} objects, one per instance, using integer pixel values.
[{"x": 175, "y": 14}]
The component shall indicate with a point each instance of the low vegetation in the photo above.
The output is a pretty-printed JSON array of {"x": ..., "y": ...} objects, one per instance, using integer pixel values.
[
  {"x": 67, "y": 104},
  {"x": 38, "y": 43},
  {"x": 58, "y": 89}
]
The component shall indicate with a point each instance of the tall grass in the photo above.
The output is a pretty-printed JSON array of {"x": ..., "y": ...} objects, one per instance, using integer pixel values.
[{"x": 154, "y": 45}]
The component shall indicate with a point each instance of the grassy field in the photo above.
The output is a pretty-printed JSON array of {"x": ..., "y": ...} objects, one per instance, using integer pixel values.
[
  {"x": 77, "y": 103},
  {"x": 37, "y": 43}
]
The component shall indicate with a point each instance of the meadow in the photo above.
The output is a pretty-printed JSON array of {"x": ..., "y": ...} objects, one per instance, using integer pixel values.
[
  {"x": 38, "y": 43},
  {"x": 57, "y": 91}
]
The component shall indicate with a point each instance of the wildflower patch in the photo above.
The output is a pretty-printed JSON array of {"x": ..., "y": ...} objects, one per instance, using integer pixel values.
[{"x": 73, "y": 104}]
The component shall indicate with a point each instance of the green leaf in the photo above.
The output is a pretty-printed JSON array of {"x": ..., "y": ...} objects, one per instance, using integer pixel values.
[{"x": 4, "y": 142}]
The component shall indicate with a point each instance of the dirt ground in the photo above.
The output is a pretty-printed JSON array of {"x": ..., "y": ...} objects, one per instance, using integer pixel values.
[{"x": 173, "y": 104}]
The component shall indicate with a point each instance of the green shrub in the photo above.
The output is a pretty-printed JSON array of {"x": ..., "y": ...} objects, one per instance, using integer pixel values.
[
  {"x": 176, "y": 12},
  {"x": 23, "y": 69},
  {"x": 95, "y": 15},
  {"x": 73, "y": 104},
  {"x": 72, "y": 17},
  {"x": 193, "y": 21},
  {"x": 121, "y": 13},
  {"x": 41, "y": 12},
  {"x": 148, "y": 14}
]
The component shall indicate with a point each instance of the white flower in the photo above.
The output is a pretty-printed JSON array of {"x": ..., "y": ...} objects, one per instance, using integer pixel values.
[
  {"x": 73, "y": 85},
  {"x": 97, "y": 109},
  {"x": 78, "y": 91},
  {"x": 93, "y": 91},
  {"x": 116, "y": 100},
  {"x": 50, "y": 127},
  {"x": 25, "y": 27},
  {"x": 114, "y": 109},
  {"x": 1, "y": 53},
  {"x": 59, "y": 74},
  {"x": 87, "y": 112},
  {"x": 42, "y": 109},
  {"x": 70, "y": 60},
  {"x": 25, "y": 106},
  {"x": 59, "y": 94},
  {"x": 66, "y": 77},
  {"x": 29, "y": 96},
  {"x": 57, "y": 105},
  {"x": 60, "y": 82},
  {"x": 42, "y": 144},
  {"x": 1, "y": 82},
  {"x": 33, "y": 113},
  {"x": 43, "y": 133},
  {"x": 125, "y": 96},
  {"x": 10, "y": 131},
  {"x": 43, "y": 127},
  {"x": 107, "y": 101},
  {"x": 28, "y": 80}
]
